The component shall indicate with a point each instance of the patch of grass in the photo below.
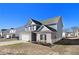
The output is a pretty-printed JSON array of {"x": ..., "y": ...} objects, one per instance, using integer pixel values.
[
  {"x": 25, "y": 49},
  {"x": 15, "y": 45},
  {"x": 3, "y": 40},
  {"x": 44, "y": 44}
]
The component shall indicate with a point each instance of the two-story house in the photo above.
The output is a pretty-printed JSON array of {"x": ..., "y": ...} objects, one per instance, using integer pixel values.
[
  {"x": 76, "y": 32},
  {"x": 8, "y": 33},
  {"x": 46, "y": 31}
]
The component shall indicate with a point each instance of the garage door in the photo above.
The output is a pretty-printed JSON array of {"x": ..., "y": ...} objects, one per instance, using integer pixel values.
[{"x": 25, "y": 37}]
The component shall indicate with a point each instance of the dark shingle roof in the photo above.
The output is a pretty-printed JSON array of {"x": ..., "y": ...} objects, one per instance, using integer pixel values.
[
  {"x": 51, "y": 29},
  {"x": 32, "y": 20},
  {"x": 45, "y": 22}
]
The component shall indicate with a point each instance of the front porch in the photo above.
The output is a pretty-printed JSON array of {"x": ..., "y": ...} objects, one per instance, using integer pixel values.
[{"x": 46, "y": 37}]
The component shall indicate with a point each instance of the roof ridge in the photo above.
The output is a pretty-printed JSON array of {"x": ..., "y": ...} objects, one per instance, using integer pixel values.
[{"x": 35, "y": 21}]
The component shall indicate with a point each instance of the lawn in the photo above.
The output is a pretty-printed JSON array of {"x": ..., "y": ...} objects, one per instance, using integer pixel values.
[
  {"x": 25, "y": 49},
  {"x": 3, "y": 40},
  {"x": 63, "y": 47},
  {"x": 35, "y": 49}
]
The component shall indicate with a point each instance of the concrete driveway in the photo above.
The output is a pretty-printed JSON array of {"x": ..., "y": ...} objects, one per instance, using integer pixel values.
[
  {"x": 11, "y": 42},
  {"x": 72, "y": 38}
]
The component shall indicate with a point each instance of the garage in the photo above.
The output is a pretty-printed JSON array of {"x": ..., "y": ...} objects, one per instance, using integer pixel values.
[{"x": 25, "y": 37}]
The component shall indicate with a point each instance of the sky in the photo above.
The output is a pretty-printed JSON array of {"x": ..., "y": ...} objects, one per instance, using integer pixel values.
[{"x": 15, "y": 15}]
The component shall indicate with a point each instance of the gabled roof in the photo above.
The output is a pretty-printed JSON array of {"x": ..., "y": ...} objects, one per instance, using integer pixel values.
[
  {"x": 20, "y": 29},
  {"x": 51, "y": 29},
  {"x": 32, "y": 20},
  {"x": 46, "y": 21},
  {"x": 51, "y": 20},
  {"x": 7, "y": 31}
]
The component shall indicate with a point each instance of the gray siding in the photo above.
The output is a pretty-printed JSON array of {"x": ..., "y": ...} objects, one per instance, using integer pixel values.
[{"x": 59, "y": 29}]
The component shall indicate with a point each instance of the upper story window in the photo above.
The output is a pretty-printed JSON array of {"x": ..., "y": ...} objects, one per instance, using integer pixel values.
[
  {"x": 12, "y": 31},
  {"x": 32, "y": 28}
]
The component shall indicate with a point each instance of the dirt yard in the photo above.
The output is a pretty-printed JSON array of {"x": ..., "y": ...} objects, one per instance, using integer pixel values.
[
  {"x": 3, "y": 40},
  {"x": 62, "y": 47},
  {"x": 25, "y": 49}
]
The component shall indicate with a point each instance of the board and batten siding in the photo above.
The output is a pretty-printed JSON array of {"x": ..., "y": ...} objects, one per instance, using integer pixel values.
[
  {"x": 59, "y": 29},
  {"x": 53, "y": 37}
]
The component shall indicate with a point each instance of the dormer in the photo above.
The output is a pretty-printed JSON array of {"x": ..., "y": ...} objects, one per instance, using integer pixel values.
[
  {"x": 33, "y": 25},
  {"x": 12, "y": 30}
]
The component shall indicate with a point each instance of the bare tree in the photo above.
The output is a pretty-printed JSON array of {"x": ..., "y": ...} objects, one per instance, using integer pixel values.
[{"x": 74, "y": 28}]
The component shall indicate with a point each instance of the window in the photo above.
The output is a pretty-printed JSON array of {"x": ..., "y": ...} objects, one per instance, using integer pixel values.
[
  {"x": 42, "y": 37},
  {"x": 53, "y": 36},
  {"x": 12, "y": 31},
  {"x": 32, "y": 28},
  {"x": 29, "y": 28}
]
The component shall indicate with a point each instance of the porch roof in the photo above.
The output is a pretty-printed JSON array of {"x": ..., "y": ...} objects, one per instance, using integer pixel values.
[{"x": 50, "y": 29}]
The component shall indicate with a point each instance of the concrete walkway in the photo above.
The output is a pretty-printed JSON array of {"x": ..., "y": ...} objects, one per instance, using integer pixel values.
[
  {"x": 11, "y": 42},
  {"x": 73, "y": 38}
]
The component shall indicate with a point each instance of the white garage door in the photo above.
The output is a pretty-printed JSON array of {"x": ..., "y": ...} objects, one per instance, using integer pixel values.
[{"x": 25, "y": 37}]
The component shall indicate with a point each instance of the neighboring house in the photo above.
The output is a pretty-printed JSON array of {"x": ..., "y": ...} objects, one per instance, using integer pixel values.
[
  {"x": 0, "y": 34},
  {"x": 47, "y": 31},
  {"x": 3, "y": 31},
  {"x": 70, "y": 34},
  {"x": 8, "y": 33},
  {"x": 76, "y": 32},
  {"x": 12, "y": 33}
]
